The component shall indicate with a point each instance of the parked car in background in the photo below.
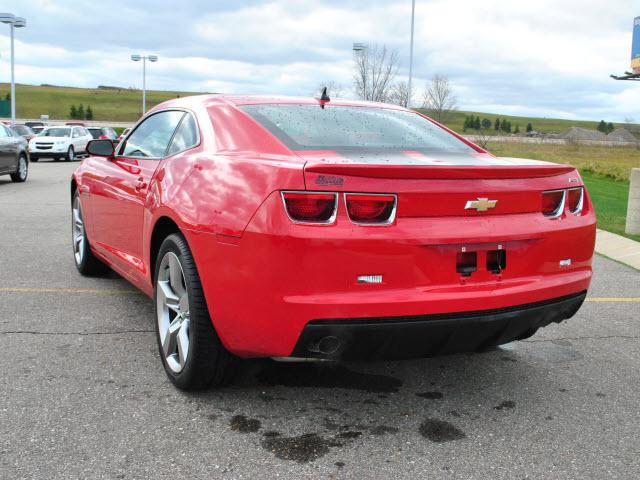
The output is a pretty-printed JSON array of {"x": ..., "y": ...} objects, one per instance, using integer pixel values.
[
  {"x": 124, "y": 133},
  {"x": 37, "y": 129},
  {"x": 299, "y": 228},
  {"x": 103, "y": 133},
  {"x": 35, "y": 124},
  {"x": 77, "y": 124},
  {"x": 59, "y": 142},
  {"x": 14, "y": 155},
  {"x": 24, "y": 131}
]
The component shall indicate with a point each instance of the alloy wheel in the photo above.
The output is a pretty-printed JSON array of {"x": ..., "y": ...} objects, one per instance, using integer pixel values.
[
  {"x": 173, "y": 312},
  {"x": 78, "y": 231},
  {"x": 22, "y": 168}
]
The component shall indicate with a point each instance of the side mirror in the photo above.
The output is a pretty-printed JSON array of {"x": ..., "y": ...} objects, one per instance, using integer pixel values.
[{"x": 101, "y": 148}]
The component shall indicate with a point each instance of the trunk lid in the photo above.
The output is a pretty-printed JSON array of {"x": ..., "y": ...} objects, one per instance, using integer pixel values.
[{"x": 442, "y": 184}]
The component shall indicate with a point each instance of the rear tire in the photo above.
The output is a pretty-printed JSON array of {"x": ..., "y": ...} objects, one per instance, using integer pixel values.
[
  {"x": 86, "y": 262},
  {"x": 23, "y": 170},
  {"x": 191, "y": 351}
]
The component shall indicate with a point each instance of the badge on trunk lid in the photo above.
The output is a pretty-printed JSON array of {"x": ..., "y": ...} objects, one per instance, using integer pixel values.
[{"x": 481, "y": 204}]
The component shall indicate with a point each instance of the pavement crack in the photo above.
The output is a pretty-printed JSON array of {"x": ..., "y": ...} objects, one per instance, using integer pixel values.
[
  {"x": 36, "y": 332},
  {"x": 577, "y": 339}
]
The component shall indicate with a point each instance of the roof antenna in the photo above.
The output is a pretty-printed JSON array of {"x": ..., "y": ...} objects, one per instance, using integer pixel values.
[{"x": 324, "y": 98}]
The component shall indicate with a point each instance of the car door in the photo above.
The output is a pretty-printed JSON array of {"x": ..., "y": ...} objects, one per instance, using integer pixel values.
[
  {"x": 119, "y": 192},
  {"x": 6, "y": 152},
  {"x": 76, "y": 139}
]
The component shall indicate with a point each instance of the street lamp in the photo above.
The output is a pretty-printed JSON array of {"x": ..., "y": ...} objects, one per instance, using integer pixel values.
[
  {"x": 144, "y": 58},
  {"x": 413, "y": 16},
  {"x": 14, "y": 22},
  {"x": 359, "y": 48}
]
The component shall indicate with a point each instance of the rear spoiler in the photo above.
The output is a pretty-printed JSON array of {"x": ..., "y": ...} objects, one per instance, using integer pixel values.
[{"x": 443, "y": 172}]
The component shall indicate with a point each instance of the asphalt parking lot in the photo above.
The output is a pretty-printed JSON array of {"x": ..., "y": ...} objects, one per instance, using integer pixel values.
[{"x": 84, "y": 394}]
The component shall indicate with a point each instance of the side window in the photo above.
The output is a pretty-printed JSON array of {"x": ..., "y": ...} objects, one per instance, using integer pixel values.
[
  {"x": 3, "y": 132},
  {"x": 75, "y": 133},
  {"x": 186, "y": 136},
  {"x": 151, "y": 138}
]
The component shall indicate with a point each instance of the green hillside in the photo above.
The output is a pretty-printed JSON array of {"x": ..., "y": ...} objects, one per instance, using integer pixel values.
[
  {"x": 123, "y": 105},
  {"x": 115, "y": 104},
  {"x": 455, "y": 121}
]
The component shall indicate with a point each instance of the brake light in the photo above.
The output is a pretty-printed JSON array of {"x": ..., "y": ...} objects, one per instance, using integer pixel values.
[
  {"x": 103, "y": 137},
  {"x": 371, "y": 208},
  {"x": 575, "y": 200},
  {"x": 311, "y": 207},
  {"x": 553, "y": 203}
]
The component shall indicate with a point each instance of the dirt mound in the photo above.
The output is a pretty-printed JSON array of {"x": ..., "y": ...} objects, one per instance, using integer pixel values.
[
  {"x": 578, "y": 134},
  {"x": 621, "y": 135}
]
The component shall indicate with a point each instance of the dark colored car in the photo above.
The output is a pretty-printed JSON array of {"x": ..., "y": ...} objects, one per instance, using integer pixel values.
[
  {"x": 35, "y": 124},
  {"x": 14, "y": 155},
  {"x": 37, "y": 129},
  {"x": 24, "y": 131},
  {"x": 103, "y": 133}
]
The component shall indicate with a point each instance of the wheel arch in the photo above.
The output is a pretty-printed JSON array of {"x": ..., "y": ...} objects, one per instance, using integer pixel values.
[{"x": 162, "y": 228}]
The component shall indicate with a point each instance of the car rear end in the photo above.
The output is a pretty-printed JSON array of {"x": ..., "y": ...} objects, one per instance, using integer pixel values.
[{"x": 405, "y": 252}]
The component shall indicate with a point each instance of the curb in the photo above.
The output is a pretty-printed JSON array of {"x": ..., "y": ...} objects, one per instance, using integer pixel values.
[{"x": 618, "y": 248}]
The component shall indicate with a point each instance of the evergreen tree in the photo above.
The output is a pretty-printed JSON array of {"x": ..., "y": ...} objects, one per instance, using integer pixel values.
[
  {"x": 476, "y": 123},
  {"x": 89, "y": 113},
  {"x": 529, "y": 127},
  {"x": 508, "y": 127},
  {"x": 467, "y": 123},
  {"x": 73, "y": 112},
  {"x": 7, "y": 97},
  {"x": 602, "y": 127},
  {"x": 497, "y": 125},
  {"x": 486, "y": 123},
  {"x": 517, "y": 130},
  {"x": 610, "y": 127},
  {"x": 80, "y": 112}
]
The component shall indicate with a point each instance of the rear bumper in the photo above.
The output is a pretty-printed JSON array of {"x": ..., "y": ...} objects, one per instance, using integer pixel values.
[{"x": 430, "y": 335}]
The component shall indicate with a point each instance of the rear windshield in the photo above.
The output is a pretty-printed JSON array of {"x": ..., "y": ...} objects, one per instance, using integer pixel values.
[
  {"x": 95, "y": 132},
  {"x": 309, "y": 127},
  {"x": 55, "y": 132}
]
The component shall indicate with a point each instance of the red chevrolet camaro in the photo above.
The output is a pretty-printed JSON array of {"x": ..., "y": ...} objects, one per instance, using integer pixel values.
[{"x": 305, "y": 228}]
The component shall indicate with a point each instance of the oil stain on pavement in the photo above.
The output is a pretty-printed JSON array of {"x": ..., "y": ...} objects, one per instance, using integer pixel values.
[{"x": 439, "y": 431}]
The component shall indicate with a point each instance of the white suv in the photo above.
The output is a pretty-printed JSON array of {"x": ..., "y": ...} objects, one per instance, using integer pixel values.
[{"x": 59, "y": 142}]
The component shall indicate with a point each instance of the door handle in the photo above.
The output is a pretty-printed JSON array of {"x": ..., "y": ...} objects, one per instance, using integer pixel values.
[{"x": 140, "y": 184}]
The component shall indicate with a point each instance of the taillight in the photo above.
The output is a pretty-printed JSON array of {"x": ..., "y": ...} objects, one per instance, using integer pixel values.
[
  {"x": 552, "y": 203},
  {"x": 575, "y": 200},
  {"x": 311, "y": 207},
  {"x": 371, "y": 209},
  {"x": 103, "y": 137}
]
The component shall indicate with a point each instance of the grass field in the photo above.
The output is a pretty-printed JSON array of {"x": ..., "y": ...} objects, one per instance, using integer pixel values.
[
  {"x": 119, "y": 105},
  {"x": 605, "y": 171}
]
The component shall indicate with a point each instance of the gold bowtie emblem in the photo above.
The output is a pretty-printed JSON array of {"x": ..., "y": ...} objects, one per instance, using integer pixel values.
[{"x": 481, "y": 204}]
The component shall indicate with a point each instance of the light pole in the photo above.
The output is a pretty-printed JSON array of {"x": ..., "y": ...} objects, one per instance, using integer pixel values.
[
  {"x": 14, "y": 22},
  {"x": 413, "y": 16},
  {"x": 144, "y": 58},
  {"x": 359, "y": 49}
]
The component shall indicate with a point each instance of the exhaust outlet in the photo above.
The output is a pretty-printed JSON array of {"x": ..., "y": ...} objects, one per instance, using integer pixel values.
[{"x": 326, "y": 345}]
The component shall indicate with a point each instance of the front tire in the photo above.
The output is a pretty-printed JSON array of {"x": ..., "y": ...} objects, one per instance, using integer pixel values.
[
  {"x": 191, "y": 351},
  {"x": 23, "y": 170},
  {"x": 71, "y": 154},
  {"x": 86, "y": 262}
]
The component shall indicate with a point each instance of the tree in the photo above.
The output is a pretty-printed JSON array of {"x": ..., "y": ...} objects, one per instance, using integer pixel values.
[
  {"x": 486, "y": 123},
  {"x": 517, "y": 130},
  {"x": 375, "y": 69},
  {"x": 610, "y": 127},
  {"x": 7, "y": 97},
  {"x": 439, "y": 98},
  {"x": 73, "y": 113},
  {"x": 467, "y": 123},
  {"x": 89, "y": 113},
  {"x": 602, "y": 126},
  {"x": 497, "y": 125},
  {"x": 529, "y": 127},
  {"x": 80, "y": 111},
  {"x": 476, "y": 123},
  {"x": 399, "y": 94}
]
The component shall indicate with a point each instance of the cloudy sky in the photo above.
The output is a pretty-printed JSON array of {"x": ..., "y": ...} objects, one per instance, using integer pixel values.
[{"x": 548, "y": 58}]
